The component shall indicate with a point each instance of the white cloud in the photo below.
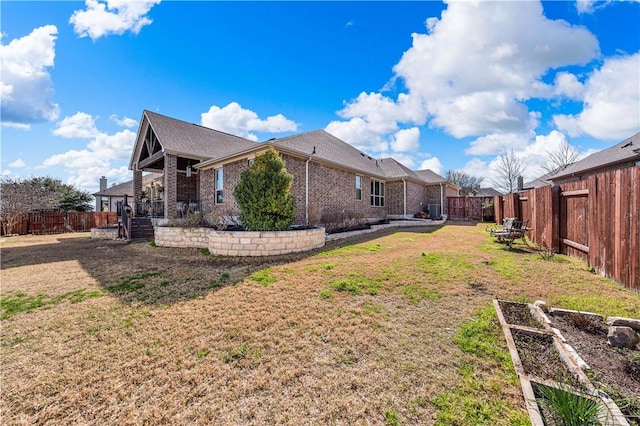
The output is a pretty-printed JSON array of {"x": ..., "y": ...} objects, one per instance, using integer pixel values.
[
  {"x": 124, "y": 121},
  {"x": 590, "y": 6},
  {"x": 611, "y": 102},
  {"x": 18, "y": 164},
  {"x": 357, "y": 133},
  {"x": 474, "y": 86},
  {"x": 243, "y": 122},
  {"x": 466, "y": 94},
  {"x": 111, "y": 17},
  {"x": 80, "y": 125},
  {"x": 19, "y": 126},
  {"x": 567, "y": 84},
  {"x": 84, "y": 166},
  {"x": 406, "y": 140},
  {"x": 432, "y": 164},
  {"x": 26, "y": 87}
]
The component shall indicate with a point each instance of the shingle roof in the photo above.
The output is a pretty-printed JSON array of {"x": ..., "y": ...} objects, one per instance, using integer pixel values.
[
  {"x": 627, "y": 150},
  {"x": 126, "y": 188},
  {"x": 328, "y": 147},
  {"x": 430, "y": 176},
  {"x": 488, "y": 192},
  {"x": 181, "y": 137},
  {"x": 394, "y": 170}
]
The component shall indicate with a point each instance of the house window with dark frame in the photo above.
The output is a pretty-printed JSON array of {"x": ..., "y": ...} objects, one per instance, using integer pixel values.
[
  {"x": 377, "y": 193},
  {"x": 358, "y": 187},
  {"x": 219, "y": 186}
]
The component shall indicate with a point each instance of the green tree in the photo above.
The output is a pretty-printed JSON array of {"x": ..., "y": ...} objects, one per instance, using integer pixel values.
[
  {"x": 66, "y": 197},
  {"x": 264, "y": 194}
]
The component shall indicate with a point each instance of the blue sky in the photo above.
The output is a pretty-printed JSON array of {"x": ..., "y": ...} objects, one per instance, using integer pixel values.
[{"x": 434, "y": 85}]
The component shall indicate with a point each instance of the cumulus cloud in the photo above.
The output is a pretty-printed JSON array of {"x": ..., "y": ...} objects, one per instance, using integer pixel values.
[
  {"x": 25, "y": 86},
  {"x": 124, "y": 121},
  {"x": 432, "y": 164},
  {"x": 406, "y": 140},
  {"x": 611, "y": 102},
  {"x": 242, "y": 122},
  {"x": 590, "y": 6},
  {"x": 568, "y": 85},
  {"x": 98, "y": 157},
  {"x": 476, "y": 85},
  {"x": 101, "y": 18},
  {"x": 80, "y": 125}
]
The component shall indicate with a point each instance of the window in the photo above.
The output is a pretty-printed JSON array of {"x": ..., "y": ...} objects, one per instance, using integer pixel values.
[
  {"x": 219, "y": 186},
  {"x": 358, "y": 187},
  {"x": 377, "y": 193}
]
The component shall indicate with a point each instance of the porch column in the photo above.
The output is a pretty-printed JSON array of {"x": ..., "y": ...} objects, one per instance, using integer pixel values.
[
  {"x": 137, "y": 189},
  {"x": 170, "y": 186}
]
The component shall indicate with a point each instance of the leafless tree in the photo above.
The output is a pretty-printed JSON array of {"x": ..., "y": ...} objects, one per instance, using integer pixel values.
[
  {"x": 561, "y": 157},
  {"x": 18, "y": 197},
  {"x": 468, "y": 185},
  {"x": 509, "y": 168}
]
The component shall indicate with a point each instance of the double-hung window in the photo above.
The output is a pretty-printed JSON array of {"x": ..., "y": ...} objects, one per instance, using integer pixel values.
[
  {"x": 219, "y": 186},
  {"x": 377, "y": 193},
  {"x": 358, "y": 187}
]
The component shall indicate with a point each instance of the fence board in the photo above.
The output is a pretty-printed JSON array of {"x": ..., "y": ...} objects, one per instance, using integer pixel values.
[
  {"x": 61, "y": 222},
  {"x": 596, "y": 219}
]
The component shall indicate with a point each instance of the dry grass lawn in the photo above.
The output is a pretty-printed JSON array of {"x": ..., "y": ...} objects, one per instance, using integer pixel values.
[{"x": 361, "y": 332}]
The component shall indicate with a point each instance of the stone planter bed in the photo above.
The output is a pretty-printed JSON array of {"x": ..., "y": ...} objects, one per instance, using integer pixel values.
[
  {"x": 544, "y": 357},
  {"x": 241, "y": 243}
]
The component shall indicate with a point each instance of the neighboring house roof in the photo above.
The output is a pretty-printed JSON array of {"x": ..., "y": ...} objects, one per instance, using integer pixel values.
[
  {"x": 119, "y": 190},
  {"x": 125, "y": 188},
  {"x": 544, "y": 180},
  {"x": 488, "y": 192},
  {"x": 626, "y": 151}
]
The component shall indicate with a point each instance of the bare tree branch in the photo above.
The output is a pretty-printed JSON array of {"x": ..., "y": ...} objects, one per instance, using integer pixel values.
[
  {"x": 509, "y": 168},
  {"x": 468, "y": 185},
  {"x": 561, "y": 157}
]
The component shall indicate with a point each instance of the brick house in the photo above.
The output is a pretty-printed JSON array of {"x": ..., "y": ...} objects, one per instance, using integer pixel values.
[{"x": 202, "y": 166}]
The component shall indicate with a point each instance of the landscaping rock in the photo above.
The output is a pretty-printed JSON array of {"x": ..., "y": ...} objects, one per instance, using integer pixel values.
[
  {"x": 627, "y": 322},
  {"x": 542, "y": 305},
  {"x": 567, "y": 312},
  {"x": 622, "y": 337}
]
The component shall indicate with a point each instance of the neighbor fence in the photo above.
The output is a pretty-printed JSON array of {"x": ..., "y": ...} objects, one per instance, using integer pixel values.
[
  {"x": 61, "y": 222},
  {"x": 596, "y": 219},
  {"x": 470, "y": 208}
]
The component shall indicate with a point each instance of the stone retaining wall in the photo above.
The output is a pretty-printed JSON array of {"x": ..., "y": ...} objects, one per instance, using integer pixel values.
[
  {"x": 109, "y": 233},
  {"x": 241, "y": 243}
]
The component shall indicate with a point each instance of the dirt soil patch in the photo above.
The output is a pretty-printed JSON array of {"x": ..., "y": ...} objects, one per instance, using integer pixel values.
[
  {"x": 615, "y": 370},
  {"x": 360, "y": 332}
]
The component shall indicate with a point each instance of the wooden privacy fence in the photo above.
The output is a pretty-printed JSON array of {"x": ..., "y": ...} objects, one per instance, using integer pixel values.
[
  {"x": 596, "y": 219},
  {"x": 469, "y": 208},
  {"x": 61, "y": 222}
]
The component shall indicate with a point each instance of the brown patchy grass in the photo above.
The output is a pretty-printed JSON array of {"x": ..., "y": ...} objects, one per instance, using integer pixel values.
[{"x": 172, "y": 336}]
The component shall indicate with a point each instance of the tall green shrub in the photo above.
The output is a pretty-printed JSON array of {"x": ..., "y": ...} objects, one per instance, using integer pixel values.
[{"x": 264, "y": 194}]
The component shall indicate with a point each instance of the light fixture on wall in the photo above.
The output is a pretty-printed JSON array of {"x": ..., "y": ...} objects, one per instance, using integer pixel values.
[{"x": 189, "y": 169}]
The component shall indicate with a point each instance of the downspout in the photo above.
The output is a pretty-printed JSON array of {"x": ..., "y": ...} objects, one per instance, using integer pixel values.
[
  {"x": 306, "y": 188},
  {"x": 404, "y": 202},
  {"x": 441, "y": 198}
]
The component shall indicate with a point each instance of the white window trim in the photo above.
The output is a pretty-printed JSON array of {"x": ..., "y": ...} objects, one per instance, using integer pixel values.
[{"x": 215, "y": 183}]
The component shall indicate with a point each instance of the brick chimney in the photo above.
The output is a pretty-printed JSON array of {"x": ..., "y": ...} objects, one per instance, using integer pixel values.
[{"x": 103, "y": 183}]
